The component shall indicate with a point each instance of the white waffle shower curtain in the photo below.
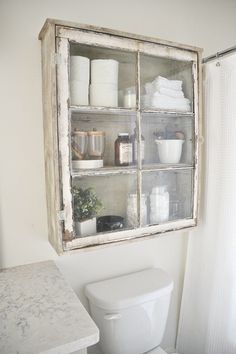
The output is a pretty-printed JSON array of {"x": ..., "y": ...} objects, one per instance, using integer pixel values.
[{"x": 208, "y": 312}]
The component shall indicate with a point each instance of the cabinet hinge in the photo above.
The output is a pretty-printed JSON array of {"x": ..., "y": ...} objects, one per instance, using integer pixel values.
[{"x": 61, "y": 215}]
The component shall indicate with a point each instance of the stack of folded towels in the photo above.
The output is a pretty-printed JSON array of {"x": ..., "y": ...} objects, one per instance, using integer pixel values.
[{"x": 165, "y": 94}]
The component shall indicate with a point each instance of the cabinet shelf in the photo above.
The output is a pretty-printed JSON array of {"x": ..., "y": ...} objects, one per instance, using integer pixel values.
[
  {"x": 103, "y": 110},
  {"x": 166, "y": 167},
  {"x": 112, "y": 170},
  {"x": 121, "y": 236},
  {"x": 127, "y": 111},
  {"x": 167, "y": 114},
  {"x": 104, "y": 171}
]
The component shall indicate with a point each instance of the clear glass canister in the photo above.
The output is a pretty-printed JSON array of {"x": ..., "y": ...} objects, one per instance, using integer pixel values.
[
  {"x": 130, "y": 97},
  {"x": 79, "y": 142},
  {"x": 159, "y": 205},
  {"x": 96, "y": 144}
]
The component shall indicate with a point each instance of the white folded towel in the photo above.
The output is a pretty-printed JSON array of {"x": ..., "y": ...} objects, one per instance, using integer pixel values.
[
  {"x": 161, "y": 81},
  {"x": 148, "y": 88},
  {"x": 171, "y": 93},
  {"x": 146, "y": 100},
  {"x": 165, "y": 94},
  {"x": 170, "y": 103},
  {"x": 156, "y": 85}
]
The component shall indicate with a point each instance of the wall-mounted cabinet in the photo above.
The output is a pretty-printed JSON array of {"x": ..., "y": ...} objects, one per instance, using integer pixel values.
[{"x": 121, "y": 127}]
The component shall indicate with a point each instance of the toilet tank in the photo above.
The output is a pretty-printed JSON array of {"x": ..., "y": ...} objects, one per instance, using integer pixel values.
[{"x": 131, "y": 310}]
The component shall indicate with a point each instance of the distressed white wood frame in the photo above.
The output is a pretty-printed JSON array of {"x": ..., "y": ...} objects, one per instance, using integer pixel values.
[
  {"x": 53, "y": 183},
  {"x": 64, "y": 133},
  {"x": 140, "y": 45}
]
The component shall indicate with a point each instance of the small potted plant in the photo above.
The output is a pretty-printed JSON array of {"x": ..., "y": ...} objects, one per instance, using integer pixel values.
[{"x": 86, "y": 207}]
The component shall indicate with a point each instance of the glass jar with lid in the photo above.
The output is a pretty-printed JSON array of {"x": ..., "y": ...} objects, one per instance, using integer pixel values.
[
  {"x": 96, "y": 144},
  {"x": 159, "y": 205},
  {"x": 79, "y": 141},
  {"x": 123, "y": 150}
]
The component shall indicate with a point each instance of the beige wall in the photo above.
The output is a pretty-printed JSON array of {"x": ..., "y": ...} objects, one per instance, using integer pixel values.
[{"x": 23, "y": 226}]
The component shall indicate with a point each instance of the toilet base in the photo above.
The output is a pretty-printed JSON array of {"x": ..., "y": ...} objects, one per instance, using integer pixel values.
[{"x": 157, "y": 350}]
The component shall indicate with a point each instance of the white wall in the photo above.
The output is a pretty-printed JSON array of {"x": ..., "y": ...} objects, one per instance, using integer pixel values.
[{"x": 23, "y": 228}]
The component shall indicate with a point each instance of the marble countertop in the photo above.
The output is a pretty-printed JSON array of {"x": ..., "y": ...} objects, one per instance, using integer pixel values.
[{"x": 40, "y": 313}]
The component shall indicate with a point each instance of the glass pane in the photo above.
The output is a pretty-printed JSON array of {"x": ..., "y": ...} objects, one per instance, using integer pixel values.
[
  {"x": 168, "y": 140},
  {"x": 103, "y": 140},
  {"x": 102, "y": 76},
  {"x": 169, "y": 195},
  {"x": 166, "y": 84},
  {"x": 106, "y": 199}
]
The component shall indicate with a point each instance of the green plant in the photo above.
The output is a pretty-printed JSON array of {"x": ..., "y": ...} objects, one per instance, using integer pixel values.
[{"x": 86, "y": 204}]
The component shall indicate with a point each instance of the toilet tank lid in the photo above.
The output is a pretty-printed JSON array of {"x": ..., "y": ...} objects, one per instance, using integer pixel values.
[{"x": 129, "y": 290}]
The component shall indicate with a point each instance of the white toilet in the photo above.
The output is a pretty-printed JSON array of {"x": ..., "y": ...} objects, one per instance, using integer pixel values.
[{"x": 131, "y": 311}]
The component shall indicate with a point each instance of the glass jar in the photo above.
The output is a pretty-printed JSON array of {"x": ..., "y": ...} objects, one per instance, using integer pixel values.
[
  {"x": 79, "y": 142},
  {"x": 130, "y": 97},
  {"x": 96, "y": 144},
  {"x": 123, "y": 150},
  {"x": 159, "y": 205}
]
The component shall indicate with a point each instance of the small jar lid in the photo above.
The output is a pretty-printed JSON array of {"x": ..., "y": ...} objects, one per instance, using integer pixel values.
[
  {"x": 96, "y": 132},
  {"x": 134, "y": 195},
  {"x": 159, "y": 189},
  {"x": 130, "y": 90},
  {"x": 79, "y": 132},
  {"x": 123, "y": 134}
]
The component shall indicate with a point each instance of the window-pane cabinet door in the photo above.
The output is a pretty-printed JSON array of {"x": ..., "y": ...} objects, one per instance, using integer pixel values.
[{"x": 127, "y": 135}]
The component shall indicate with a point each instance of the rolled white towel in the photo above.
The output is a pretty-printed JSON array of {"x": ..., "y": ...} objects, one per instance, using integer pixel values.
[{"x": 161, "y": 81}]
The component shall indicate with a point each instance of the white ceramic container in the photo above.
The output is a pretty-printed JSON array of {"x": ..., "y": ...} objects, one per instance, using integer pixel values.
[
  {"x": 86, "y": 228},
  {"x": 104, "y": 95},
  {"x": 104, "y": 71},
  {"x": 79, "y": 68},
  {"x": 79, "y": 92},
  {"x": 169, "y": 150}
]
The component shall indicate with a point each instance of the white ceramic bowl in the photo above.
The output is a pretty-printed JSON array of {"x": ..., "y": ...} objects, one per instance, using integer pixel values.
[{"x": 169, "y": 150}]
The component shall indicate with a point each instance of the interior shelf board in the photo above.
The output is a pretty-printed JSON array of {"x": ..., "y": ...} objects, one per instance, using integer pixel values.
[
  {"x": 104, "y": 171},
  {"x": 167, "y": 113},
  {"x": 166, "y": 167},
  {"x": 103, "y": 110}
]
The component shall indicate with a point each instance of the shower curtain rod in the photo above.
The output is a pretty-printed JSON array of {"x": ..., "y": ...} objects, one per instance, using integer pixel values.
[{"x": 219, "y": 54}]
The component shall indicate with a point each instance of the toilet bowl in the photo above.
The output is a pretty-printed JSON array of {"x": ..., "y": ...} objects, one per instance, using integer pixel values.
[{"x": 131, "y": 311}]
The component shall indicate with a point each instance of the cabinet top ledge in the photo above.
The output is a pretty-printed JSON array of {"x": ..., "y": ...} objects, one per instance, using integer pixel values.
[{"x": 52, "y": 23}]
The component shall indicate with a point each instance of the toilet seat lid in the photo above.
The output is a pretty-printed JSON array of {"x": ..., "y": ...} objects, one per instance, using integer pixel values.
[{"x": 129, "y": 290}]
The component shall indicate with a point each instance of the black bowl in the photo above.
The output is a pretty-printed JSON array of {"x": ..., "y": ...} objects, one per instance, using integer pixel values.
[{"x": 109, "y": 223}]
